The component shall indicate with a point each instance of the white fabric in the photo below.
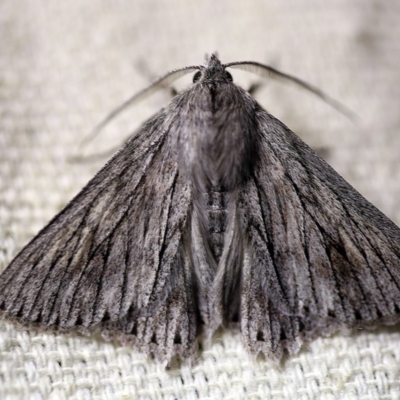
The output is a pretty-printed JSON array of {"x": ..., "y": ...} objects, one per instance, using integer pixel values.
[{"x": 65, "y": 65}]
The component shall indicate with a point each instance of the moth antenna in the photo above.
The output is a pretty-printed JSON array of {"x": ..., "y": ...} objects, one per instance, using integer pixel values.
[
  {"x": 266, "y": 71},
  {"x": 93, "y": 157},
  {"x": 164, "y": 81}
]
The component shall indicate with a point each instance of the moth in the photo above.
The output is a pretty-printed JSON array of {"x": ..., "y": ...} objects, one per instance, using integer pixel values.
[{"x": 214, "y": 214}]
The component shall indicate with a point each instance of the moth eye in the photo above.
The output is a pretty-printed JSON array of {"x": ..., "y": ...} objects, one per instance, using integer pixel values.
[
  {"x": 228, "y": 76},
  {"x": 196, "y": 76}
]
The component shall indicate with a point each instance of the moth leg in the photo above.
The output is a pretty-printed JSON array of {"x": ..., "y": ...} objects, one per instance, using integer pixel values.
[{"x": 255, "y": 87}]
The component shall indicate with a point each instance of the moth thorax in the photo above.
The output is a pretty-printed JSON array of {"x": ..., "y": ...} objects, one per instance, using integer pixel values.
[{"x": 218, "y": 161}]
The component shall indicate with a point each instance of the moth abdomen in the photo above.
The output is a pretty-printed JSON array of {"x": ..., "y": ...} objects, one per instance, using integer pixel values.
[{"x": 217, "y": 219}]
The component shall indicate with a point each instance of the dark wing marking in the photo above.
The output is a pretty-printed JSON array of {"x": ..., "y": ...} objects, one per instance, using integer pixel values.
[
  {"x": 115, "y": 254},
  {"x": 322, "y": 256},
  {"x": 169, "y": 330}
]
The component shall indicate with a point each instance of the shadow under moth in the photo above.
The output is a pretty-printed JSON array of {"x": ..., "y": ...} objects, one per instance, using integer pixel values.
[{"x": 213, "y": 214}]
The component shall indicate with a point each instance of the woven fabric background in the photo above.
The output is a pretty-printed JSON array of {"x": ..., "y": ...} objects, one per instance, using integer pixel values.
[{"x": 65, "y": 65}]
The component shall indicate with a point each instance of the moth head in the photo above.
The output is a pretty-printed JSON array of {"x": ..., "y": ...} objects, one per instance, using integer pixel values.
[{"x": 213, "y": 71}]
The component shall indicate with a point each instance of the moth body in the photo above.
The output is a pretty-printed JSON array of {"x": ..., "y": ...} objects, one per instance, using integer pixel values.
[{"x": 215, "y": 213}]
